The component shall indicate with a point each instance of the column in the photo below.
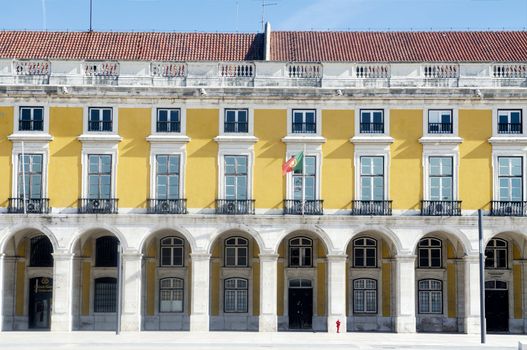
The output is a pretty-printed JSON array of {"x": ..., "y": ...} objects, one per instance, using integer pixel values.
[
  {"x": 268, "y": 321},
  {"x": 472, "y": 295},
  {"x": 2, "y": 292},
  {"x": 199, "y": 316},
  {"x": 131, "y": 310},
  {"x": 62, "y": 310},
  {"x": 336, "y": 292},
  {"x": 405, "y": 294}
]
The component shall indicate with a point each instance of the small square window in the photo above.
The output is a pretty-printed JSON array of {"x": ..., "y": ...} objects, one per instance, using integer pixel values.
[
  {"x": 236, "y": 121},
  {"x": 510, "y": 121},
  {"x": 304, "y": 122},
  {"x": 168, "y": 120},
  {"x": 100, "y": 119},
  {"x": 372, "y": 121},
  {"x": 440, "y": 122},
  {"x": 31, "y": 119}
]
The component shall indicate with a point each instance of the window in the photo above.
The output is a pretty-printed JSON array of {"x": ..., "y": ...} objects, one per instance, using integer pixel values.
[
  {"x": 99, "y": 176},
  {"x": 100, "y": 119},
  {"x": 304, "y": 180},
  {"x": 31, "y": 119},
  {"x": 440, "y": 122},
  {"x": 364, "y": 252},
  {"x": 441, "y": 178},
  {"x": 300, "y": 252},
  {"x": 236, "y": 120},
  {"x": 105, "y": 298},
  {"x": 372, "y": 121},
  {"x": 372, "y": 178},
  {"x": 106, "y": 251},
  {"x": 510, "y": 179},
  {"x": 500, "y": 285},
  {"x": 30, "y": 176},
  {"x": 236, "y": 295},
  {"x": 509, "y": 121},
  {"x": 304, "y": 122},
  {"x": 236, "y": 177},
  {"x": 236, "y": 249},
  {"x": 430, "y": 297},
  {"x": 496, "y": 254},
  {"x": 41, "y": 252},
  {"x": 430, "y": 253},
  {"x": 171, "y": 293},
  {"x": 172, "y": 251},
  {"x": 365, "y": 296},
  {"x": 167, "y": 176},
  {"x": 168, "y": 120}
]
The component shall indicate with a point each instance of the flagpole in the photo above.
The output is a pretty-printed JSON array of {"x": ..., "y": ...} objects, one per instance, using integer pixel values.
[{"x": 23, "y": 179}]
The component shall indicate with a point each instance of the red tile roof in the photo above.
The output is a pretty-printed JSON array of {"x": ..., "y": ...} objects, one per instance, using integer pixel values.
[
  {"x": 399, "y": 46},
  {"x": 506, "y": 46}
]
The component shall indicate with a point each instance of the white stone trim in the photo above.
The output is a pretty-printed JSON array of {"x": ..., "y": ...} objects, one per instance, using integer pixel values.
[
  {"x": 16, "y": 114},
  {"x": 372, "y": 150},
  {"x": 455, "y": 120},
  {"x": 495, "y": 110},
  {"x": 500, "y": 150},
  {"x": 318, "y": 119},
  {"x": 167, "y": 148},
  {"x": 98, "y": 147},
  {"x": 115, "y": 118},
  {"x": 309, "y": 151},
  {"x": 386, "y": 120},
  {"x": 182, "y": 116},
  {"x": 35, "y": 147},
  {"x": 250, "y": 120},
  {"x": 440, "y": 150},
  {"x": 241, "y": 146}
]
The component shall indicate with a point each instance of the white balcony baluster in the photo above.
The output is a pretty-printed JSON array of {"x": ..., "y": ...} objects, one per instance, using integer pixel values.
[
  {"x": 509, "y": 71},
  {"x": 169, "y": 69},
  {"x": 101, "y": 69},
  {"x": 236, "y": 70},
  {"x": 372, "y": 71},
  {"x": 304, "y": 71},
  {"x": 32, "y": 67},
  {"x": 441, "y": 71}
]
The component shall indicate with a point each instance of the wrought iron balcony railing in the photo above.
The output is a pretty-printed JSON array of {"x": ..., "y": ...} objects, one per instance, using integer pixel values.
[
  {"x": 508, "y": 208},
  {"x": 167, "y": 206},
  {"x": 373, "y": 207},
  {"x": 235, "y": 206},
  {"x": 306, "y": 207},
  {"x": 98, "y": 206},
  {"x": 304, "y": 128},
  {"x": 439, "y": 128},
  {"x": 236, "y": 127},
  {"x": 372, "y": 128},
  {"x": 441, "y": 208},
  {"x": 168, "y": 126},
  {"x": 31, "y": 206},
  {"x": 509, "y": 128}
]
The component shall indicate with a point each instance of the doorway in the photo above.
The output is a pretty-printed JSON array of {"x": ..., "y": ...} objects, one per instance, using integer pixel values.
[
  {"x": 497, "y": 306},
  {"x": 40, "y": 295},
  {"x": 300, "y": 299}
]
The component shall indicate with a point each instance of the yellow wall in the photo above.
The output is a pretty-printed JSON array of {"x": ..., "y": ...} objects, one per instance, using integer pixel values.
[
  {"x": 269, "y": 152},
  {"x": 337, "y": 166},
  {"x": 475, "y": 173},
  {"x": 21, "y": 278},
  {"x": 134, "y": 153},
  {"x": 6, "y": 148},
  {"x": 406, "y": 175},
  {"x": 150, "y": 278},
  {"x": 65, "y": 125},
  {"x": 202, "y": 154},
  {"x": 386, "y": 271}
]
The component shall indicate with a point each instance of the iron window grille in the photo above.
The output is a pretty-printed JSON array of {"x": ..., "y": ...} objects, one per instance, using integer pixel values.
[
  {"x": 364, "y": 296},
  {"x": 236, "y": 295},
  {"x": 40, "y": 253},
  {"x": 31, "y": 119},
  {"x": 430, "y": 296},
  {"x": 167, "y": 206},
  {"x": 106, "y": 251},
  {"x": 29, "y": 206},
  {"x": 105, "y": 296},
  {"x": 171, "y": 294}
]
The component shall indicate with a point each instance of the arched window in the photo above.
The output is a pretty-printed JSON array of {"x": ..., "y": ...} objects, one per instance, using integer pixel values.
[
  {"x": 236, "y": 249},
  {"x": 172, "y": 251},
  {"x": 236, "y": 295},
  {"x": 106, "y": 251},
  {"x": 40, "y": 252},
  {"x": 300, "y": 252},
  {"x": 430, "y": 296},
  {"x": 364, "y": 252},
  {"x": 300, "y": 283},
  {"x": 496, "y": 254},
  {"x": 364, "y": 296},
  {"x": 105, "y": 297},
  {"x": 430, "y": 253},
  {"x": 171, "y": 294},
  {"x": 496, "y": 285}
]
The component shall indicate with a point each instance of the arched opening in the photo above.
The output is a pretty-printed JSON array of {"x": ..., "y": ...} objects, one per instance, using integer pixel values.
[
  {"x": 95, "y": 281},
  {"x": 166, "y": 282},
  {"x": 234, "y": 282},
  {"x": 369, "y": 283},
  {"x": 28, "y": 281},
  {"x": 439, "y": 276},
  {"x": 302, "y": 282},
  {"x": 505, "y": 283}
]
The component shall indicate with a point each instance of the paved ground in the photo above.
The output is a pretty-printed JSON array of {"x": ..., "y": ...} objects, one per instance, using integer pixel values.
[{"x": 245, "y": 340}]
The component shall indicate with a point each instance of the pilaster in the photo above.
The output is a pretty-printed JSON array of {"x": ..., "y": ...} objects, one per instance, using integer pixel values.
[
  {"x": 472, "y": 320},
  {"x": 62, "y": 311},
  {"x": 268, "y": 321},
  {"x": 336, "y": 292},
  {"x": 405, "y": 294},
  {"x": 199, "y": 316},
  {"x": 131, "y": 309}
]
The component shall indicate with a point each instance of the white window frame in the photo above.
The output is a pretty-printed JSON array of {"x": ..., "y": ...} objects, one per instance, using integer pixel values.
[
  {"x": 235, "y": 149},
  {"x": 386, "y": 118},
  {"x": 159, "y": 289},
  {"x": 430, "y": 291},
  {"x": 175, "y": 149},
  {"x": 45, "y": 115},
  {"x": 236, "y": 250},
  {"x": 318, "y": 122},
  {"x": 182, "y": 116},
  {"x": 302, "y": 250},
  {"x": 364, "y": 248},
  {"x": 171, "y": 246},
  {"x": 41, "y": 148},
  {"x": 508, "y": 108},
  {"x": 429, "y": 248},
  {"x": 506, "y": 151},
  {"x": 498, "y": 177},
  {"x": 98, "y": 150},
  {"x": 311, "y": 151},
  {"x": 248, "y": 297},
  {"x": 115, "y": 119},
  {"x": 445, "y": 150},
  {"x": 455, "y": 119},
  {"x": 250, "y": 121},
  {"x": 371, "y": 151}
]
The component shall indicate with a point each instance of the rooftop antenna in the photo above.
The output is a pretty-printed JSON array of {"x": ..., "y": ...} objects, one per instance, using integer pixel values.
[
  {"x": 237, "y": 12},
  {"x": 91, "y": 12},
  {"x": 264, "y": 5},
  {"x": 44, "y": 24}
]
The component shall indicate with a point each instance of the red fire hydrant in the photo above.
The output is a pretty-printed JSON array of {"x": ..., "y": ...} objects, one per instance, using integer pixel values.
[{"x": 338, "y": 326}]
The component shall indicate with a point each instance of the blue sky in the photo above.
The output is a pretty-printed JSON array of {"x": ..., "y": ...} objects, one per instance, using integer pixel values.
[{"x": 245, "y": 15}]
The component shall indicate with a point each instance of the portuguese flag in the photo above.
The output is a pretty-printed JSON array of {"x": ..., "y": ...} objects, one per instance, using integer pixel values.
[{"x": 296, "y": 162}]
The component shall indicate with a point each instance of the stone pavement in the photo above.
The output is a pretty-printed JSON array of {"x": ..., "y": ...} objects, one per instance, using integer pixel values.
[{"x": 248, "y": 340}]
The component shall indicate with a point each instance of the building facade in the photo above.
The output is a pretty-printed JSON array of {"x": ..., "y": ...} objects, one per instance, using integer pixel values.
[{"x": 163, "y": 152}]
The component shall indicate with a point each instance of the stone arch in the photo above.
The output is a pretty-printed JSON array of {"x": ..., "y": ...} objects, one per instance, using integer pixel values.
[
  {"x": 11, "y": 232},
  {"x": 383, "y": 232},
  {"x": 232, "y": 228},
  {"x": 311, "y": 229},
  {"x": 453, "y": 235},
  {"x": 179, "y": 230},
  {"x": 516, "y": 236},
  {"x": 94, "y": 229}
]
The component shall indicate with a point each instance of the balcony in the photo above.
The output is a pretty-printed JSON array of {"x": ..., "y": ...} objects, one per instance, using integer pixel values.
[
  {"x": 371, "y": 207},
  {"x": 508, "y": 208},
  {"x": 441, "y": 208},
  {"x": 371, "y": 128},
  {"x": 31, "y": 205},
  {"x": 304, "y": 128},
  {"x": 236, "y": 127},
  {"x": 509, "y": 128},
  {"x": 167, "y": 206},
  {"x": 439, "y": 128},
  {"x": 98, "y": 206},
  {"x": 306, "y": 207},
  {"x": 235, "y": 206}
]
